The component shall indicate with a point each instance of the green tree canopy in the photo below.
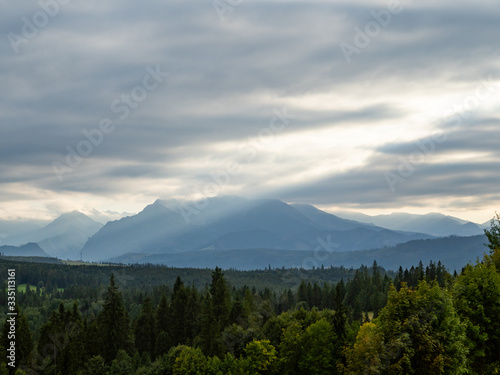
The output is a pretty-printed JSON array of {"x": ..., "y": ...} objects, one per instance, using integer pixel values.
[
  {"x": 477, "y": 300},
  {"x": 261, "y": 358},
  {"x": 417, "y": 332}
]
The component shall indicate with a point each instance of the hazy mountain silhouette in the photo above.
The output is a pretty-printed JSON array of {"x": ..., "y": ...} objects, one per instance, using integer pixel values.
[
  {"x": 453, "y": 252},
  {"x": 63, "y": 237},
  {"x": 224, "y": 223},
  {"x": 11, "y": 228},
  {"x": 435, "y": 224},
  {"x": 27, "y": 250}
]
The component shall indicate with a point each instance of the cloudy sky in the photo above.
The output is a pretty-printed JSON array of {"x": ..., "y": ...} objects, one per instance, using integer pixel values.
[{"x": 355, "y": 105}]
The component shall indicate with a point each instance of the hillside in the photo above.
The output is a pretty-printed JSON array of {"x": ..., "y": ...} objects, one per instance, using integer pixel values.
[{"x": 454, "y": 252}]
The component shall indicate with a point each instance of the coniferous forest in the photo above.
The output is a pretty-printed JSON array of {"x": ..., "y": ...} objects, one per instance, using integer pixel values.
[{"x": 110, "y": 319}]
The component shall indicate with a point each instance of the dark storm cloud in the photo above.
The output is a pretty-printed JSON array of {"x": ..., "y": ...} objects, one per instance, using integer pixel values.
[
  {"x": 224, "y": 81},
  {"x": 367, "y": 187}
]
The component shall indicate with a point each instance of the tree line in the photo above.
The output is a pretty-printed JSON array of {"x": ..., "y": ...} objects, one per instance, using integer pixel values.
[{"x": 421, "y": 320}]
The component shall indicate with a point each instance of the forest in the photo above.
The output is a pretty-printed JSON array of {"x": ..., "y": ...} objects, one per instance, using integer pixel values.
[{"x": 110, "y": 319}]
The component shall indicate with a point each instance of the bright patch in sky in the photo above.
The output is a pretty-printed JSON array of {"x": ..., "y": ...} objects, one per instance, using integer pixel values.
[{"x": 261, "y": 102}]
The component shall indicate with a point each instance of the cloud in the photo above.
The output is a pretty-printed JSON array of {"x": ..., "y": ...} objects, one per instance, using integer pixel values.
[
  {"x": 457, "y": 173},
  {"x": 225, "y": 80}
]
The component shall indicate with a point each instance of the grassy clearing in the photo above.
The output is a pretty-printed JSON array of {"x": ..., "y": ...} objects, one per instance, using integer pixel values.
[
  {"x": 22, "y": 288},
  {"x": 81, "y": 263}
]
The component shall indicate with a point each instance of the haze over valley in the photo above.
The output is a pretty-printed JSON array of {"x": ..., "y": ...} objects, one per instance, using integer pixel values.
[{"x": 248, "y": 234}]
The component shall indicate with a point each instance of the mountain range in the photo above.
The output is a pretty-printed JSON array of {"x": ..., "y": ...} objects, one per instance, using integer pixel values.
[
  {"x": 232, "y": 223},
  {"x": 436, "y": 224},
  {"x": 454, "y": 252},
  {"x": 10, "y": 228},
  {"x": 62, "y": 238},
  {"x": 244, "y": 233}
]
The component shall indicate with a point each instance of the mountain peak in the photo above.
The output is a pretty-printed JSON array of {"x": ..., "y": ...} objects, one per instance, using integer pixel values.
[
  {"x": 228, "y": 222},
  {"x": 103, "y": 217},
  {"x": 72, "y": 217},
  {"x": 73, "y": 214},
  {"x": 157, "y": 207}
]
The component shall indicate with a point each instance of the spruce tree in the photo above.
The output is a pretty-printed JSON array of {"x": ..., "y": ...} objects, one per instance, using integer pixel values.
[
  {"x": 192, "y": 313},
  {"x": 302, "y": 292},
  {"x": 210, "y": 339},
  {"x": 113, "y": 323},
  {"x": 221, "y": 298},
  {"x": 339, "y": 318},
  {"x": 493, "y": 233},
  {"x": 62, "y": 340},
  {"x": 440, "y": 274},
  {"x": 145, "y": 333},
  {"x": 177, "y": 321},
  {"x": 163, "y": 339},
  {"x": 236, "y": 315}
]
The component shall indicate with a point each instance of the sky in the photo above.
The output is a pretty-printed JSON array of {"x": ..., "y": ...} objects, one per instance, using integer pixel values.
[{"x": 370, "y": 106}]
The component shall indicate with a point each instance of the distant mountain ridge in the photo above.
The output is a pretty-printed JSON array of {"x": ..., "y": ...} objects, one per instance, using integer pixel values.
[
  {"x": 235, "y": 229},
  {"x": 435, "y": 224},
  {"x": 63, "y": 237},
  {"x": 27, "y": 250},
  {"x": 10, "y": 228},
  {"x": 453, "y": 252},
  {"x": 103, "y": 217},
  {"x": 225, "y": 223}
]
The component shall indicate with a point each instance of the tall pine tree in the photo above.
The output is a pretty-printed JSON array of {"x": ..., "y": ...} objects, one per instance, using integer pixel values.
[
  {"x": 209, "y": 340},
  {"x": 145, "y": 333},
  {"x": 113, "y": 323},
  {"x": 163, "y": 338},
  {"x": 178, "y": 320},
  {"x": 221, "y": 298}
]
